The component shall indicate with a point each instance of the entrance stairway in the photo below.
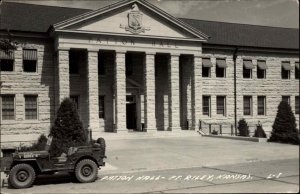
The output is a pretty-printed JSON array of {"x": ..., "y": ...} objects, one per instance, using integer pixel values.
[{"x": 148, "y": 134}]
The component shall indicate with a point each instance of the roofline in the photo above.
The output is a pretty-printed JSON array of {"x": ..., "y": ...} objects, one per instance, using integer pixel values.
[
  {"x": 239, "y": 23},
  {"x": 249, "y": 48},
  {"x": 119, "y": 4}
]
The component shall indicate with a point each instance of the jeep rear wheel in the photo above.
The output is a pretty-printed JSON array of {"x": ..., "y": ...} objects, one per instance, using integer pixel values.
[
  {"x": 86, "y": 171},
  {"x": 21, "y": 176}
]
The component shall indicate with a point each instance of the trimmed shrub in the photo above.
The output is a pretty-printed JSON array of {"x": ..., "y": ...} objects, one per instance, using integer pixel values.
[
  {"x": 284, "y": 128},
  {"x": 214, "y": 132},
  {"x": 67, "y": 130},
  {"x": 243, "y": 128},
  {"x": 38, "y": 146},
  {"x": 259, "y": 132}
]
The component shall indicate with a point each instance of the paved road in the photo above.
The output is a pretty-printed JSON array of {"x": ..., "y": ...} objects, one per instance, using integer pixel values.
[
  {"x": 186, "y": 165},
  {"x": 270, "y": 176}
]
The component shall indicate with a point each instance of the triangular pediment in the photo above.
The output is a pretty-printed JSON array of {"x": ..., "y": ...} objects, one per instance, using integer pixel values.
[{"x": 131, "y": 17}]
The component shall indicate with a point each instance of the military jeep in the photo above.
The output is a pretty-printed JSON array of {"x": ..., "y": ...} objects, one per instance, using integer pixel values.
[{"x": 83, "y": 162}]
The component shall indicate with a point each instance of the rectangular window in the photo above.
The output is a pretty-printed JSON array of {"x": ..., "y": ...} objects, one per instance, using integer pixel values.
[
  {"x": 206, "y": 66},
  {"x": 75, "y": 99},
  {"x": 247, "y": 105},
  {"x": 261, "y": 69},
  {"x": 101, "y": 64},
  {"x": 206, "y": 105},
  {"x": 285, "y": 70},
  {"x": 30, "y": 107},
  {"x": 297, "y": 70},
  {"x": 286, "y": 99},
  {"x": 6, "y": 60},
  {"x": 247, "y": 69},
  {"x": 221, "y": 105},
  {"x": 297, "y": 102},
  {"x": 221, "y": 68},
  {"x": 8, "y": 107},
  {"x": 205, "y": 71},
  {"x": 261, "y": 105},
  {"x": 101, "y": 107},
  {"x": 29, "y": 60}
]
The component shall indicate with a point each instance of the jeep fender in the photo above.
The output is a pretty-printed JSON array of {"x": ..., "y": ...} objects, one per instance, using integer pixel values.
[{"x": 35, "y": 165}]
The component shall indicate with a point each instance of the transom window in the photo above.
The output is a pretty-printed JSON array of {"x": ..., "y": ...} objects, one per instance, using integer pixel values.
[
  {"x": 247, "y": 105},
  {"x": 221, "y": 105},
  {"x": 206, "y": 105},
  {"x": 8, "y": 107},
  {"x": 6, "y": 60},
  {"x": 102, "y": 107},
  {"x": 261, "y": 105},
  {"x": 30, "y": 107},
  {"x": 285, "y": 70},
  {"x": 29, "y": 60}
]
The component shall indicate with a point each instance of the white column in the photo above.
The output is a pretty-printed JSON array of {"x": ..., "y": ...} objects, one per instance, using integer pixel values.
[
  {"x": 120, "y": 91},
  {"x": 196, "y": 91},
  {"x": 63, "y": 75},
  {"x": 149, "y": 91},
  {"x": 173, "y": 96},
  {"x": 93, "y": 91}
]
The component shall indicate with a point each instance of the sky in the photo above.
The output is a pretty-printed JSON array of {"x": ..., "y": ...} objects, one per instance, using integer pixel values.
[{"x": 278, "y": 13}]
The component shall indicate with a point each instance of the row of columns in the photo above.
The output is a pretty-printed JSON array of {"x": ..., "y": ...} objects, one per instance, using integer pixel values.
[{"x": 120, "y": 89}]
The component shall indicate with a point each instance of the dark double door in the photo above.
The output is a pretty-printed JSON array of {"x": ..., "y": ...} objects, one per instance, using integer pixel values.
[{"x": 131, "y": 117}]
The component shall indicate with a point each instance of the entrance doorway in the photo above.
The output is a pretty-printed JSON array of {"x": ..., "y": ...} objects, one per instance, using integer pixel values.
[{"x": 131, "y": 118}]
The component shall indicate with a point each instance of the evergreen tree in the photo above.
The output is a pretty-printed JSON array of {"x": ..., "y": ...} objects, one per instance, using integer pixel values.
[
  {"x": 67, "y": 130},
  {"x": 284, "y": 128},
  {"x": 243, "y": 128},
  {"x": 259, "y": 132}
]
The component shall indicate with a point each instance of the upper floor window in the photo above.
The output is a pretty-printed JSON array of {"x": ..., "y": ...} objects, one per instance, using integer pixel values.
[
  {"x": 221, "y": 105},
  {"x": 206, "y": 105},
  {"x": 129, "y": 64},
  {"x": 297, "y": 102},
  {"x": 30, "y": 107},
  {"x": 261, "y": 105},
  {"x": 101, "y": 107},
  {"x": 297, "y": 70},
  {"x": 221, "y": 68},
  {"x": 206, "y": 67},
  {"x": 261, "y": 69},
  {"x": 247, "y": 105},
  {"x": 286, "y": 99},
  {"x": 29, "y": 60},
  {"x": 8, "y": 107},
  {"x": 285, "y": 70},
  {"x": 7, "y": 60},
  {"x": 247, "y": 68}
]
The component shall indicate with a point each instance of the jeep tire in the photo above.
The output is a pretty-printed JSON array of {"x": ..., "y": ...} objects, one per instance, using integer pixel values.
[
  {"x": 21, "y": 176},
  {"x": 86, "y": 171},
  {"x": 101, "y": 141}
]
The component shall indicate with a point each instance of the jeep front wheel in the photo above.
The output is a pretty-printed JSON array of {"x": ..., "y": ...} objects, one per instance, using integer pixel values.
[
  {"x": 21, "y": 176},
  {"x": 86, "y": 171}
]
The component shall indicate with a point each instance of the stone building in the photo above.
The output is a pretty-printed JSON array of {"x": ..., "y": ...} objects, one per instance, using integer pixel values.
[{"x": 131, "y": 66}]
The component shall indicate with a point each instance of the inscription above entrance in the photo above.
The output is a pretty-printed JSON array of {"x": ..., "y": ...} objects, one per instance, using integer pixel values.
[{"x": 135, "y": 19}]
